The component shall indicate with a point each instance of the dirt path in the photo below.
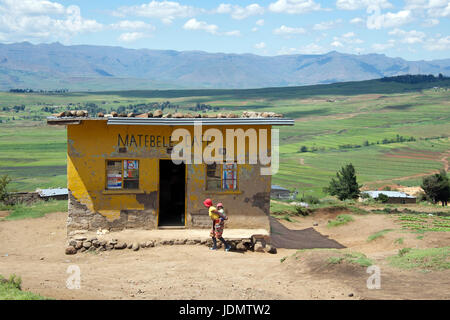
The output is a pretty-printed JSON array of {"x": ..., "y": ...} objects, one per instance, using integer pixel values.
[{"x": 34, "y": 250}]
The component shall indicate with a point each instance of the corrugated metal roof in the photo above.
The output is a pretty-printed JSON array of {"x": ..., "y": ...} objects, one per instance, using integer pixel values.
[
  {"x": 203, "y": 121},
  {"x": 390, "y": 194},
  {"x": 52, "y": 120},
  {"x": 276, "y": 187},
  {"x": 52, "y": 192}
]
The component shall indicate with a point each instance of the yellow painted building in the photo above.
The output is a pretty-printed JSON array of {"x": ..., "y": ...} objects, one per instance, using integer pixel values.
[{"x": 121, "y": 175}]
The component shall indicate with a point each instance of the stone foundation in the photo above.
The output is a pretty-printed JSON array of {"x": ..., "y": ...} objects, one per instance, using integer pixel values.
[
  {"x": 201, "y": 219},
  {"x": 93, "y": 244},
  {"x": 80, "y": 218}
]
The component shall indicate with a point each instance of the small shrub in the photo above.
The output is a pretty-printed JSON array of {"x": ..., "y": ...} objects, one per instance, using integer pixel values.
[
  {"x": 335, "y": 260},
  {"x": 13, "y": 281},
  {"x": 403, "y": 251},
  {"x": 4, "y": 181},
  {"x": 365, "y": 195},
  {"x": 310, "y": 199},
  {"x": 359, "y": 258},
  {"x": 382, "y": 198},
  {"x": 340, "y": 220},
  {"x": 302, "y": 210},
  {"x": 422, "y": 197},
  {"x": 357, "y": 210},
  {"x": 354, "y": 257},
  {"x": 378, "y": 234},
  {"x": 303, "y": 149}
]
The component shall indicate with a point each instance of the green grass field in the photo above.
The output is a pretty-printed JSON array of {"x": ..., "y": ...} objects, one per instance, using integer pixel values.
[
  {"x": 339, "y": 123},
  {"x": 10, "y": 289},
  {"x": 35, "y": 210},
  {"x": 424, "y": 259}
]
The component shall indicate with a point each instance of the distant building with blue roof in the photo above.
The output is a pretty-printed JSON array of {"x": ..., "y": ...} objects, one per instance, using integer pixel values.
[{"x": 394, "y": 196}]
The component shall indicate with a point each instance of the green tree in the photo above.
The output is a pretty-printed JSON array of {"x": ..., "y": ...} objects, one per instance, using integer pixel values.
[
  {"x": 304, "y": 149},
  {"x": 344, "y": 186},
  {"x": 4, "y": 181},
  {"x": 437, "y": 187}
]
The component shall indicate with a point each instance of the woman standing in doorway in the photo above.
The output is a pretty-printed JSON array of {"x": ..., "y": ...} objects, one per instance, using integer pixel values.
[{"x": 218, "y": 225}]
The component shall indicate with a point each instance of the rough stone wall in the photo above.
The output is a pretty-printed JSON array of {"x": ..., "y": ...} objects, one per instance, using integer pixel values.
[
  {"x": 81, "y": 218},
  {"x": 23, "y": 197}
]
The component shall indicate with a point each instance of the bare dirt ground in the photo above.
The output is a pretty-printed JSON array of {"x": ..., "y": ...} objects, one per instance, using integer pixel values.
[
  {"x": 34, "y": 250},
  {"x": 3, "y": 213}
]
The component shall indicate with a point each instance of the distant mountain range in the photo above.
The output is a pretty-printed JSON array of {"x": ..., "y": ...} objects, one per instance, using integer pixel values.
[{"x": 86, "y": 67}]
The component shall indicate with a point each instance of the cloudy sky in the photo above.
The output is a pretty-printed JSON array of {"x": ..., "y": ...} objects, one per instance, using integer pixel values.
[{"x": 411, "y": 29}]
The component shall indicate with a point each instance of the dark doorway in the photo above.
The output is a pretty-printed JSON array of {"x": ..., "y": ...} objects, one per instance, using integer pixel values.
[{"x": 172, "y": 182}]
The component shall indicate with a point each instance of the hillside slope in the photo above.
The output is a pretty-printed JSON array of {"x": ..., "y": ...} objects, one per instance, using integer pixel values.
[{"x": 85, "y": 67}]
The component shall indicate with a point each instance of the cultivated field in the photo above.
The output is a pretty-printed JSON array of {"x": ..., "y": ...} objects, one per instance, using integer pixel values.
[{"x": 391, "y": 134}]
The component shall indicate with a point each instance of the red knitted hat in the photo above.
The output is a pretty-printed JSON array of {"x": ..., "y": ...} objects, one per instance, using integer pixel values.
[{"x": 208, "y": 203}]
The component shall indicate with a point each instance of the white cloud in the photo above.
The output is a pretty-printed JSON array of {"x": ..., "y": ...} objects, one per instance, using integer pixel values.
[
  {"x": 409, "y": 37},
  {"x": 193, "y": 24},
  {"x": 433, "y": 8},
  {"x": 389, "y": 19},
  {"x": 294, "y": 6},
  {"x": 362, "y": 4},
  {"x": 430, "y": 23},
  {"x": 33, "y": 7},
  {"x": 260, "y": 45},
  {"x": 336, "y": 43},
  {"x": 383, "y": 46},
  {"x": 312, "y": 48},
  {"x": 132, "y": 25},
  {"x": 260, "y": 22},
  {"x": 238, "y": 13},
  {"x": 234, "y": 33},
  {"x": 284, "y": 30},
  {"x": 42, "y": 21},
  {"x": 357, "y": 20},
  {"x": 440, "y": 11},
  {"x": 349, "y": 35},
  {"x": 346, "y": 40},
  {"x": 326, "y": 24},
  {"x": 166, "y": 11},
  {"x": 438, "y": 44},
  {"x": 132, "y": 36}
]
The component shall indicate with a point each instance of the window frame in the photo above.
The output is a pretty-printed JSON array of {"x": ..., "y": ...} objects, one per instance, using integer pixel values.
[
  {"x": 221, "y": 189},
  {"x": 122, "y": 189}
]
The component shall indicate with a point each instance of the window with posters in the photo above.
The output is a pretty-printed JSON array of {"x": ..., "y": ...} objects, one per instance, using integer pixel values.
[
  {"x": 122, "y": 174},
  {"x": 221, "y": 177},
  {"x": 229, "y": 176}
]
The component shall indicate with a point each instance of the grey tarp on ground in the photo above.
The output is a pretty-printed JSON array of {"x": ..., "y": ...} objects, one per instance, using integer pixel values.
[{"x": 282, "y": 237}]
